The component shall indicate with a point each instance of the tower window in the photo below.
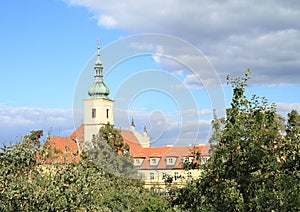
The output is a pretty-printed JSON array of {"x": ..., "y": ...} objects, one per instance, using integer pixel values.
[
  {"x": 94, "y": 113},
  {"x": 107, "y": 112}
]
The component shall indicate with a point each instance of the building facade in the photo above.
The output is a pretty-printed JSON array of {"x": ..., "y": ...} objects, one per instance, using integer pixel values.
[
  {"x": 98, "y": 108},
  {"x": 156, "y": 165}
]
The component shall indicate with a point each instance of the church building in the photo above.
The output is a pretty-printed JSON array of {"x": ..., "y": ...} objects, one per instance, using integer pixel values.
[{"x": 155, "y": 164}]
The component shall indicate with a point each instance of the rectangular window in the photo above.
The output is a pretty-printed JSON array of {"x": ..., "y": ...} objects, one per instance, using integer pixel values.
[
  {"x": 107, "y": 113},
  {"x": 203, "y": 160},
  {"x": 164, "y": 176},
  {"x": 93, "y": 113},
  {"x": 189, "y": 175},
  {"x": 153, "y": 161},
  {"x": 137, "y": 162},
  {"x": 176, "y": 176},
  {"x": 151, "y": 176},
  {"x": 171, "y": 161}
]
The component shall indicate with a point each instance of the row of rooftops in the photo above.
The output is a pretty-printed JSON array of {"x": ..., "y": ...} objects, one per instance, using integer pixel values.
[
  {"x": 66, "y": 149},
  {"x": 160, "y": 157}
]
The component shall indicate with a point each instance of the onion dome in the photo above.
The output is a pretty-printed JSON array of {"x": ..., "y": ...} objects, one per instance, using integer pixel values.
[{"x": 98, "y": 89}]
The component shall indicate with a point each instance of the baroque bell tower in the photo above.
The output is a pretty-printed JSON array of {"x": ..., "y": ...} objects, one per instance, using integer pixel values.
[{"x": 98, "y": 108}]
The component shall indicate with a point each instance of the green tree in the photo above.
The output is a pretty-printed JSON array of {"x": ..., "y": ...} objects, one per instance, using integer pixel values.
[
  {"x": 193, "y": 162},
  {"x": 245, "y": 172},
  {"x": 217, "y": 125},
  {"x": 110, "y": 153},
  {"x": 114, "y": 139},
  {"x": 293, "y": 133},
  {"x": 289, "y": 178},
  {"x": 28, "y": 185}
]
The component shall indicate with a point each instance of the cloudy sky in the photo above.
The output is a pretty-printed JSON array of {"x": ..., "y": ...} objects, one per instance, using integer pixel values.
[{"x": 169, "y": 80}]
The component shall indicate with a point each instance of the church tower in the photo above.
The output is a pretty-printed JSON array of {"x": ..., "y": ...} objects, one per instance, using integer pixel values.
[{"x": 98, "y": 108}]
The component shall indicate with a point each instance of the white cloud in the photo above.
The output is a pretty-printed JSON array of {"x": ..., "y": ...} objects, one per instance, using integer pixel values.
[
  {"x": 107, "y": 21},
  {"x": 19, "y": 121},
  {"x": 195, "y": 113},
  {"x": 261, "y": 35},
  {"x": 164, "y": 128},
  {"x": 285, "y": 107},
  {"x": 143, "y": 46}
]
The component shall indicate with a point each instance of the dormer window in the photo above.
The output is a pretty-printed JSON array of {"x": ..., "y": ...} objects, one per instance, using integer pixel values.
[
  {"x": 138, "y": 161},
  {"x": 171, "y": 161},
  {"x": 204, "y": 160},
  {"x": 187, "y": 159},
  {"x": 154, "y": 161}
]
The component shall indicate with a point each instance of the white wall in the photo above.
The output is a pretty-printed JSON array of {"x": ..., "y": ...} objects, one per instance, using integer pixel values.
[{"x": 92, "y": 125}]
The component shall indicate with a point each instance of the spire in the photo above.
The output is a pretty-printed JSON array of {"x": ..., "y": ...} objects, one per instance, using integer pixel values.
[
  {"x": 132, "y": 126},
  {"x": 98, "y": 89},
  {"x": 145, "y": 133},
  {"x": 98, "y": 61},
  {"x": 132, "y": 123}
]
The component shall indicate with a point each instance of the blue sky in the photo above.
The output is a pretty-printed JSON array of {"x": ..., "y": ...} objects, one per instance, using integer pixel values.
[{"x": 47, "y": 49}]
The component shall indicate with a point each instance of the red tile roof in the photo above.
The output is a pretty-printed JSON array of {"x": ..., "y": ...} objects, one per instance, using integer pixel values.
[
  {"x": 164, "y": 152},
  {"x": 66, "y": 150},
  {"x": 61, "y": 150},
  {"x": 132, "y": 141},
  {"x": 78, "y": 134}
]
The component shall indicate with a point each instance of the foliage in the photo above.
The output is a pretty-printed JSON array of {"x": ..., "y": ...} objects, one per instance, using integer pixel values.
[
  {"x": 109, "y": 160},
  {"x": 217, "y": 125},
  {"x": 254, "y": 167},
  {"x": 27, "y": 185},
  {"x": 114, "y": 139},
  {"x": 108, "y": 151},
  {"x": 193, "y": 162},
  {"x": 289, "y": 180},
  {"x": 155, "y": 203}
]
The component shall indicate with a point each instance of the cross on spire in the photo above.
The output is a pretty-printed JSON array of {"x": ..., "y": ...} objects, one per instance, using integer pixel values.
[{"x": 98, "y": 47}]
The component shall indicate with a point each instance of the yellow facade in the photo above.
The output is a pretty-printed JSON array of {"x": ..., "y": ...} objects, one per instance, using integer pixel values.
[{"x": 158, "y": 178}]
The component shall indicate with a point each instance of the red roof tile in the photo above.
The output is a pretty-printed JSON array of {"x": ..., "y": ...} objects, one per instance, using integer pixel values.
[
  {"x": 132, "y": 141},
  {"x": 164, "y": 152},
  {"x": 78, "y": 133},
  {"x": 66, "y": 150},
  {"x": 62, "y": 150}
]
